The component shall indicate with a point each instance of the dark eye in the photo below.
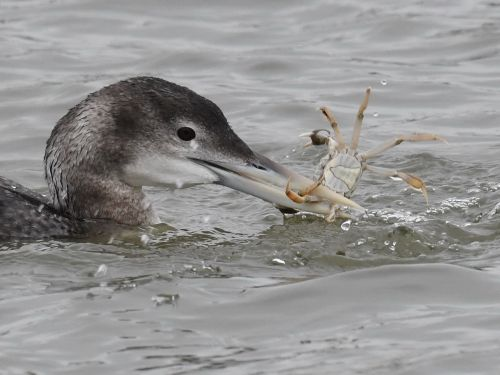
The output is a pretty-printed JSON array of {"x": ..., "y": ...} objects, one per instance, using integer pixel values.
[{"x": 186, "y": 134}]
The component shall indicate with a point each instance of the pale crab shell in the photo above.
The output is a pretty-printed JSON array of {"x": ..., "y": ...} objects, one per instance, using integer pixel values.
[{"x": 342, "y": 172}]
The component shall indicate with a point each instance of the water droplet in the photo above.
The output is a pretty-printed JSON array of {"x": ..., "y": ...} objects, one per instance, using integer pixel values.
[
  {"x": 206, "y": 219},
  {"x": 145, "y": 239},
  {"x": 40, "y": 208},
  {"x": 162, "y": 299},
  {"x": 376, "y": 114},
  {"x": 194, "y": 145},
  {"x": 299, "y": 261},
  {"x": 361, "y": 241},
  {"x": 14, "y": 187},
  {"x": 383, "y": 82},
  {"x": 278, "y": 261},
  {"x": 346, "y": 225},
  {"x": 293, "y": 149},
  {"x": 101, "y": 271}
]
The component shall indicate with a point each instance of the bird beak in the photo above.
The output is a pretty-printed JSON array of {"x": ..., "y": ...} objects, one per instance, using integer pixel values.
[{"x": 267, "y": 180}]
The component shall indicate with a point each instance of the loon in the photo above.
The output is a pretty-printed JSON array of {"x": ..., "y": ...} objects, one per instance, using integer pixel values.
[{"x": 143, "y": 131}]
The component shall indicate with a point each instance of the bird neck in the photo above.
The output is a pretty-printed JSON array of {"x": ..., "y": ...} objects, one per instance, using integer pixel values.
[
  {"x": 84, "y": 195},
  {"x": 82, "y": 169}
]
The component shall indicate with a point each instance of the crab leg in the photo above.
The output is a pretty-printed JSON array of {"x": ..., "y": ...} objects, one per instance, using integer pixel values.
[
  {"x": 417, "y": 137},
  {"x": 414, "y": 181},
  {"x": 359, "y": 121},
  {"x": 303, "y": 196},
  {"x": 335, "y": 126}
]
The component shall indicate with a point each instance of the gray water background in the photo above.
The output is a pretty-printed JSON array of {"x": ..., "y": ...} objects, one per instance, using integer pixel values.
[{"x": 233, "y": 287}]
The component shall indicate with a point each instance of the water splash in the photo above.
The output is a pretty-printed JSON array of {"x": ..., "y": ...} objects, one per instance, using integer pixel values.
[
  {"x": 278, "y": 261},
  {"x": 488, "y": 186},
  {"x": 165, "y": 299},
  {"x": 454, "y": 203},
  {"x": 361, "y": 241},
  {"x": 392, "y": 216},
  {"x": 494, "y": 211}
]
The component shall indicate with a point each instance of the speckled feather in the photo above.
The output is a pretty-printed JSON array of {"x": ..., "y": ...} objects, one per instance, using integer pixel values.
[{"x": 26, "y": 214}]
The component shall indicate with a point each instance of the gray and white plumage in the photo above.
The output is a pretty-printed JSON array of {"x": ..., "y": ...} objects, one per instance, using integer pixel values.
[{"x": 91, "y": 146}]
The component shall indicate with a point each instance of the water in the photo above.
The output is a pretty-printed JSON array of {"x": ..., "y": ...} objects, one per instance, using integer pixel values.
[{"x": 227, "y": 285}]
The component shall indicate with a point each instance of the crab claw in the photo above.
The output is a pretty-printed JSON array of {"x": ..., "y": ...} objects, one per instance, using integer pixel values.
[
  {"x": 316, "y": 138},
  {"x": 303, "y": 196},
  {"x": 416, "y": 183},
  {"x": 293, "y": 195}
]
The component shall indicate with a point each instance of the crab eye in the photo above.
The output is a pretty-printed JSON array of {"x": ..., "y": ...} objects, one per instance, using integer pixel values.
[{"x": 185, "y": 133}]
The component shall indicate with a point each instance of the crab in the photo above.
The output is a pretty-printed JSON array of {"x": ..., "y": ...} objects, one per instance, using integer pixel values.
[{"x": 341, "y": 169}]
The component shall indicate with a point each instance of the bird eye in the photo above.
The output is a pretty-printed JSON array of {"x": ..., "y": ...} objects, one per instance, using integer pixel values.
[{"x": 186, "y": 134}]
